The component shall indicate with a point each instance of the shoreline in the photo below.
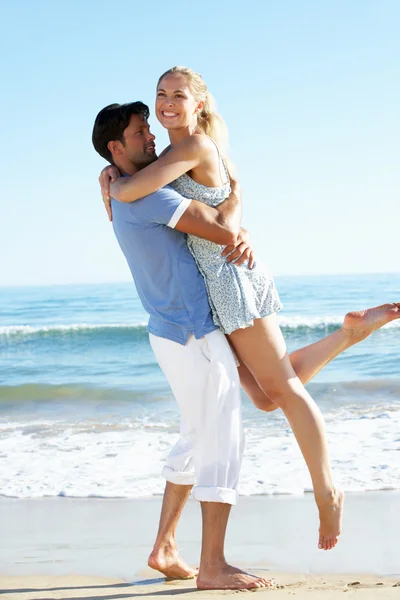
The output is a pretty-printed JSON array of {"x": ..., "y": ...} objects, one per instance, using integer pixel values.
[{"x": 159, "y": 495}]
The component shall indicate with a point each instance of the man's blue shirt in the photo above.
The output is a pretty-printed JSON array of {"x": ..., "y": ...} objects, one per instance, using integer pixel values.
[{"x": 167, "y": 279}]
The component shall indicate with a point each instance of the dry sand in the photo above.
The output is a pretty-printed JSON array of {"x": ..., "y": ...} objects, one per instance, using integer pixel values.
[{"x": 302, "y": 586}]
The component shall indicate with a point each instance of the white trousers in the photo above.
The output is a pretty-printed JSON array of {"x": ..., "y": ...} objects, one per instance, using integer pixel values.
[{"x": 204, "y": 379}]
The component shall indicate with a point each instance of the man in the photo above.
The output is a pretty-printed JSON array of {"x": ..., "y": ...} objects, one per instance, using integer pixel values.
[{"x": 193, "y": 354}]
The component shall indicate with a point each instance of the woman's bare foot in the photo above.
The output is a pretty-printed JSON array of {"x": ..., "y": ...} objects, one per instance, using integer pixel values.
[
  {"x": 227, "y": 577},
  {"x": 330, "y": 518},
  {"x": 360, "y": 324},
  {"x": 169, "y": 563}
]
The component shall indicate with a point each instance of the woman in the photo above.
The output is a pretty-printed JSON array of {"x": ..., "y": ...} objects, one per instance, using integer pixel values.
[{"x": 244, "y": 300}]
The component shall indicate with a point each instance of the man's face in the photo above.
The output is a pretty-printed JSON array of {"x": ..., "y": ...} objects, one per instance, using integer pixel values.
[{"x": 139, "y": 147}]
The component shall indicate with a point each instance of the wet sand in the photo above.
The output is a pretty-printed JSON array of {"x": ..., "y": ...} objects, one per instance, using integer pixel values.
[{"x": 97, "y": 548}]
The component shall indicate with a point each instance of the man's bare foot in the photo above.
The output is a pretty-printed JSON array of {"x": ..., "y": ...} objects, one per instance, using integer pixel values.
[
  {"x": 330, "y": 518},
  {"x": 169, "y": 563},
  {"x": 227, "y": 577},
  {"x": 360, "y": 324}
]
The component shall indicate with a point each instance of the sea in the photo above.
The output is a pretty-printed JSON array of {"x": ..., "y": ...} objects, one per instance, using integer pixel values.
[{"x": 86, "y": 412}]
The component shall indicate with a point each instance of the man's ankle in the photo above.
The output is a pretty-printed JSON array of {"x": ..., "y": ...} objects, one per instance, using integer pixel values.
[
  {"x": 165, "y": 544},
  {"x": 212, "y": 564}
]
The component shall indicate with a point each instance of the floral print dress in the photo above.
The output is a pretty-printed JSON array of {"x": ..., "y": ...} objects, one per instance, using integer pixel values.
[{"x": 237, "y": 295}]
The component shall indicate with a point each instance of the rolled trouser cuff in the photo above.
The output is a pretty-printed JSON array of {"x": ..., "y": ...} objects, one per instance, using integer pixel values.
[
  {"x": 215, "y": 494},
  {"x": 178, "y": 477}
]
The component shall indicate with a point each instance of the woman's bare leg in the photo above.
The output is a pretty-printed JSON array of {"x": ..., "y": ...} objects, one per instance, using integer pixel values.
[
  {"x": 310, "y": 360},
  {"x": 357, "y": 326},
  {"x": 263, "y": 350},
  {"x": 307, "y": 362}
]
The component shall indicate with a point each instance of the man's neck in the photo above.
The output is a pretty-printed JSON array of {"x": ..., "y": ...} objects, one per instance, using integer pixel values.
[{"x": 125, "y": 167}]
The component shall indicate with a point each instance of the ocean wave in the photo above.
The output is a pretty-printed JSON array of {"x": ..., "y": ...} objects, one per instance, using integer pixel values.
[
  {"x": 32, "y": 392},
  {"x": 37, "y": 393},
  {"x": 317, "y": 323},
  {"x": 75, "y": 328},
  {"x": 326, "y": 323}
]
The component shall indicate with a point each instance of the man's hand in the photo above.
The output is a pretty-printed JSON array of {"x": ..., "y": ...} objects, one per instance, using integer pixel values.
[
  {"x": 242, "y": 251},
  {"x": 107, "y": 176}
]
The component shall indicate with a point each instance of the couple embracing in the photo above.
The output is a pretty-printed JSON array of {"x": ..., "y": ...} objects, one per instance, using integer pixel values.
[{"x": 212, "y": 316}]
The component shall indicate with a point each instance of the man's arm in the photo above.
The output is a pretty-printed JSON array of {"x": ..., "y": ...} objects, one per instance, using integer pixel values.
[{"x": 220, "y": 224}]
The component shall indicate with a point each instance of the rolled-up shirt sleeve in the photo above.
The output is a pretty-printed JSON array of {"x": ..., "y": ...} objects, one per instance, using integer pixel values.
[
  {"x": 165, "y": 206},
  {"x": 178, "y": 213}
]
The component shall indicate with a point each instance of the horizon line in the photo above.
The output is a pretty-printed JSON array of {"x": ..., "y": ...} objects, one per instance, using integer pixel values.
[{"x": 122, "y": 281}]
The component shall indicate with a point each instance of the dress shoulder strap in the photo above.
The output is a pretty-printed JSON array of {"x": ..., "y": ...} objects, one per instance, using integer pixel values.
[{"x": 221, "y": 161}]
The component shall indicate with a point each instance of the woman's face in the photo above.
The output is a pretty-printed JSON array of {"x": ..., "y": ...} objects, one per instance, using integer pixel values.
[{"x": 176, "y": 106}]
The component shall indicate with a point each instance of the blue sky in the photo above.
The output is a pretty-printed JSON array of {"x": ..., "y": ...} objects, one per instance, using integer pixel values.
[{"x": 310, "y": 91}]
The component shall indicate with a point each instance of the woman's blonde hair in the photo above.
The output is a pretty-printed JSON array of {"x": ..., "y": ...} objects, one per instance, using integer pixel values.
[{"x": 208, "y": 120}]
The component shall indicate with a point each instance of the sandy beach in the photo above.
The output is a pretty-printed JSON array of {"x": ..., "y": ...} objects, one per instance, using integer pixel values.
[
  {"x": 328, "y": 587},
  {"x": 97, "y": 548}
]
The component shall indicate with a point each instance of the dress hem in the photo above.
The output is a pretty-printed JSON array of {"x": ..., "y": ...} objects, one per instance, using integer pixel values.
[{"x": 251, "y": 322}]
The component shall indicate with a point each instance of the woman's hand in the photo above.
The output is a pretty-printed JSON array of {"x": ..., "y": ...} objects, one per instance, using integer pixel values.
[
  {"x": 242, "y": 251},
  {"x": 107, "y": 176}
]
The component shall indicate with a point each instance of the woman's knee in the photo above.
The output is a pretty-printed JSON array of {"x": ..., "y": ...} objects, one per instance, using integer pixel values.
[
  {"x": 265, "y": 404},
  {"x": 279, "y": 393},
  {"x": 258, "y": 397}
]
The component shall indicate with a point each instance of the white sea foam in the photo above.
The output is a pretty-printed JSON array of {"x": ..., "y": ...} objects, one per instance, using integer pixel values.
[{"x": 124, "y": 458}]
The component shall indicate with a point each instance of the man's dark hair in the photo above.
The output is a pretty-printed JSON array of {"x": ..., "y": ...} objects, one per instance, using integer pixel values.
[{"x": 111, "y": 123}]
